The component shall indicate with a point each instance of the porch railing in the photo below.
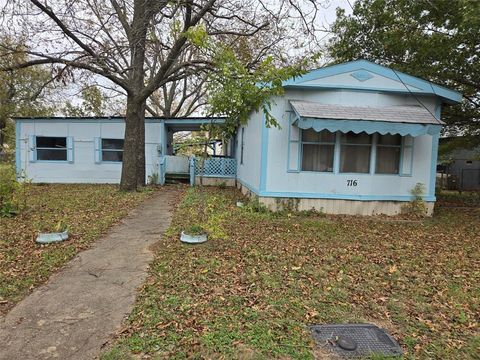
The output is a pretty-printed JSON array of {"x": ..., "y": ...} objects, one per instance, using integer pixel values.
[
  {"x": 218, "y": 167},
  {"x": 214, "y": 167}
]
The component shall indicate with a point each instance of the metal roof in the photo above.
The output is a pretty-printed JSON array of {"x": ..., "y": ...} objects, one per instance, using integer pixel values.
[{"x": 394, "y": 114}]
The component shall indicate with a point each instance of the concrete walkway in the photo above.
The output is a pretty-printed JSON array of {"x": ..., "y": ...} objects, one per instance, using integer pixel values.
[{"x": 76, "y": 312}]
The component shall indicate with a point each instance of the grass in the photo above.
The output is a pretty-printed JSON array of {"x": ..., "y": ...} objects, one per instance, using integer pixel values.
[
  {"x": 460, "y": 199},
  {"x": 261, "y": 278},
  {"x": 87, "y": 210}
]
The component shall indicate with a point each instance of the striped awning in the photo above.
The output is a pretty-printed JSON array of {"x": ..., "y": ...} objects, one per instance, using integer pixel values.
[{"x": 403, "y": 120}]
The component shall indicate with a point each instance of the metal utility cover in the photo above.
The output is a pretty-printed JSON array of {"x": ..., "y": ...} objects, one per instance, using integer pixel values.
[{"x": 369, "y": 338}]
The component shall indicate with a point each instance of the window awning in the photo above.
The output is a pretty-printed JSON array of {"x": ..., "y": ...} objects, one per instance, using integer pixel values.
[{"x": 403, "y": 120}]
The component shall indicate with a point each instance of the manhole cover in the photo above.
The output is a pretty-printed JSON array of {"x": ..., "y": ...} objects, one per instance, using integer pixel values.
[{"x": 355, "y": 340}]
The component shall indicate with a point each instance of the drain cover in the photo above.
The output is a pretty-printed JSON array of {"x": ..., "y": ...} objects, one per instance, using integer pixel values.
[{"x": 355, "y": 340}]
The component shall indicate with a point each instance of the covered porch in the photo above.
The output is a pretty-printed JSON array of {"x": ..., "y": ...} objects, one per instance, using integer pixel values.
[{"x": 178, "y": 161}]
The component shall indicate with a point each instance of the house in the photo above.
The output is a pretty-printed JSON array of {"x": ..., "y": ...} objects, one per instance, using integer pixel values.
[
  {"x": 354, "y": 138},
  {"x": 90, "y": 149}
]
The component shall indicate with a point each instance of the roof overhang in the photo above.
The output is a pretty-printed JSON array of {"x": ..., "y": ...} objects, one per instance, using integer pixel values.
[
  {"x": 362, "y": 70},
  {"x": 402, "y": 120},
  {"x": 180, "y": 121}
]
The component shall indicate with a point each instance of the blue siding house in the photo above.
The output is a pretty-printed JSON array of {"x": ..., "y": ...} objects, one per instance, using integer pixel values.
[{"x": 354, "y": 138}]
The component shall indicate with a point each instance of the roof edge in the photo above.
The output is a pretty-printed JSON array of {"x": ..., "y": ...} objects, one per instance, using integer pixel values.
[
  {"x": 116, "y": 118},
  {"x": 427, "y": 87}
]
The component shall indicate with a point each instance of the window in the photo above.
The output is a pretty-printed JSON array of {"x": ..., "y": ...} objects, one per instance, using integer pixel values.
[
  {"x": 241, "y": 146},
  {"x": 388, "y": 154},
  {"x": 112, "y": 150},
  {"x": 317, "y": 150},
  {"x": 355, "y": 152},
  {"x": 51, "y": 148}
]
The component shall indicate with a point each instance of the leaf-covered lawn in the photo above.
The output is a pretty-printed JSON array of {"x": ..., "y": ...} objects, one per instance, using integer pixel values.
[
  {"x": 251, "y": 289},
  {"x": 87, "y": 210}
]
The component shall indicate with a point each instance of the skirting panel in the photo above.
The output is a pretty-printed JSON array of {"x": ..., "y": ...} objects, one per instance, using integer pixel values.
[
  {"x": 215, "y": 181},
  {"x": 335, "y": 206}
]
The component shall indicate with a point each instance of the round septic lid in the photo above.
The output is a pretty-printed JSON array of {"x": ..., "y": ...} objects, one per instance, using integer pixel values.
[{"x": 346, "y": 343}]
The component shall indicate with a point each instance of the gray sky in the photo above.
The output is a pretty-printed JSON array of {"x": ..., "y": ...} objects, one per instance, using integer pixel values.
[
  {"x": 330, "y": 6},
  {"x": 326, "y": 17}
]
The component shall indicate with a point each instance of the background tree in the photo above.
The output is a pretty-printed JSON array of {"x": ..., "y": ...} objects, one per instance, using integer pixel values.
[
  {"x": 120, "y": 40},
  {"x": 23, "y": 92},
  {"x": 181, "y": 97},
  {"x": 93, "y": 102},
  {"x": 436, "y": 40}
]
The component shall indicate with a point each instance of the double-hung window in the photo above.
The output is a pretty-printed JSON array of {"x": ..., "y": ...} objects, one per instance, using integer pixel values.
[
  {"x": 389, "y": 148},
  {"x": 355, "y": 152},
  {"x": 112, "y": 150},
  {"x": 317, "y": 150},
  {"x": 50, "y": 148}
]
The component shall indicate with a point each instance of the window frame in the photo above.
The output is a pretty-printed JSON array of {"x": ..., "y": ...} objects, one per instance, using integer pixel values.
[
  {"x": 371, "y": 157},
  {"x": 36, "y": 148},
  {"x": 333, "y": 143},
  {"x": 101, "y": 150},
  {"x": 399, "y": 147}
]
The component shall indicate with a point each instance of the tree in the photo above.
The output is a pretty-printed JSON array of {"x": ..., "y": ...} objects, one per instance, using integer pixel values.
[
  {"x": 121, "y": 40},
  {"x": 436, "y": 40},
  {"x": 92, "y": 103},
  {"x": 23, "y": 92},
  {"x": 235, "y": 91},
  {"x": 181, "y": 97}
]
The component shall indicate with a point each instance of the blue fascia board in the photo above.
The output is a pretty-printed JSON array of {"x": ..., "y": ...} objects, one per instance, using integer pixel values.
[
  {"x": 195, "y": 121},
  {"x": 426, "y": 87},
  {"x": 182, "y": 121}
]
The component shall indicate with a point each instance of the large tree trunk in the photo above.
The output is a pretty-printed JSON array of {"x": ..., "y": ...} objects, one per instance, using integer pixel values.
[
  {"x": 133, "y": 169},
  {"x": 141, "y": 148}
]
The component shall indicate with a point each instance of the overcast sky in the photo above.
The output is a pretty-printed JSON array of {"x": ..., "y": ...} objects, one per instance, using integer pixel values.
[
  {"x": 325, "y": 19},
  {"x": 330, "y": 6}
]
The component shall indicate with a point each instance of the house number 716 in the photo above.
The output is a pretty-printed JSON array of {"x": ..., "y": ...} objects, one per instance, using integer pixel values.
[{"x": 351, "y": 182}]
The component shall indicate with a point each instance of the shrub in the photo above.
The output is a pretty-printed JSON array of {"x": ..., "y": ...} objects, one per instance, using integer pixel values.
[
  {"x": 9, "y": 189},
  {"x": 417, "y": 206},
  {"x": 195, "y": 230},
  {"x": 255, "y": 206}
]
